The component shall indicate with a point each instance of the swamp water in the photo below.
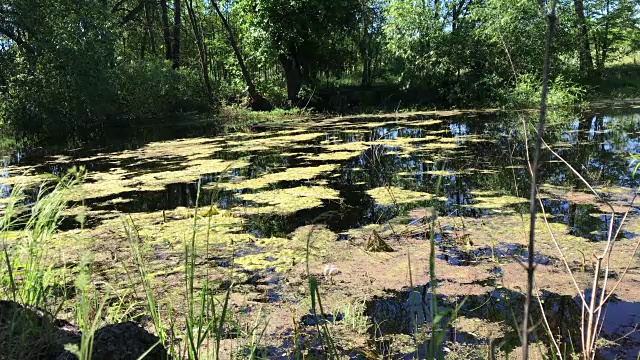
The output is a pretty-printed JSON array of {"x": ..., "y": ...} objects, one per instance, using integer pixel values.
[{"x": 321, "y": 189}]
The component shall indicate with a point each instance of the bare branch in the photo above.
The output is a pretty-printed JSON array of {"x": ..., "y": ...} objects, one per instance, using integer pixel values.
[
  {"x": 533, "y": 197},
  {"x": 16, "y": 38}
]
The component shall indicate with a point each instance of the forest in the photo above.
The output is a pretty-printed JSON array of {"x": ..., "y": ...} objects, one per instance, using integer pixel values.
[{"x": 73, "y": 66}]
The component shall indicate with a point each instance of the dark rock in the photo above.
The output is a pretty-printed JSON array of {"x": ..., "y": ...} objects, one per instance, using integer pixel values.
[
  {"x": 126, "y": 341},
  {"x": 311, "y": 319},
  {"x": 32, "y": 333}
]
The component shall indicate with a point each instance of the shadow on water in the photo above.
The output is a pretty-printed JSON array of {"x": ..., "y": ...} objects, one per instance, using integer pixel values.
[{"x": 408, "y": 313}]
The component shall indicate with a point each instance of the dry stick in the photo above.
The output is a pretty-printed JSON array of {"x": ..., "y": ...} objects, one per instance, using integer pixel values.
[
  {"x": 610, "y": 250},
  {"x": 594, "y": 313},
  {"x": 546, "y": 324},
  {"x": 562, "y": 256},
  {"x": 577, "y": 174},
  {"x": 588, "y": 346},
  {"x": 532, "y": 200},
  {"x": 635, "y": 251}
]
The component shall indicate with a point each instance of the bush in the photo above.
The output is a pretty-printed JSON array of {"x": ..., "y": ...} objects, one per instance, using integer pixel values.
[
  {"x": 147, "y": 88},
  {"x": 527, "y": 92}
]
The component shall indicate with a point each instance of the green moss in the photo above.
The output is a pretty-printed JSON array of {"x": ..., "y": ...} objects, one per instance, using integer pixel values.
[
  {"x": 444, "y": 173},
  {"x": 333, "y": 156},
  {"x": 347, "y": 146},
  {"x": 287, "y": 201},
  {"x": 423, "y": 122},
  {"x": 496, "y": 202},
  {"x": 315, "y": 234},
  {"x": 407, "y": 143},
  {"x": 121, "y": 180},
  {"x": 436, "y": 146},
  {"x": 281, "y": 254},
  {"x": 395, "y": 195},
  {"x": 290, "y": 174},
  {"x": 21, "y": 175},
  {"x": 271, "y": 142}
]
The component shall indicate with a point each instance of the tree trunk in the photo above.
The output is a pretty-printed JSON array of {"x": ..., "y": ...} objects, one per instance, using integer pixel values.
[
  {"x": 177, "y": 23},
  {"x": 605, "y": 42},
  {"x": 364, "y": 51},
  {"x": 165, "y": 29},
  {"x": 202, "y": 51},
  {"x": 143, "y": 46},
  {"x": 293, "y": 76},
  {"x": 257, "y": 102},
  {"x": 148, "y": 12},
  {"x": 586, "y": 61}
]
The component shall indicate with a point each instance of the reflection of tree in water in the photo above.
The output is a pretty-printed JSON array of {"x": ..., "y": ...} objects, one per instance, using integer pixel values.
[{"x": 402, "y": 312}]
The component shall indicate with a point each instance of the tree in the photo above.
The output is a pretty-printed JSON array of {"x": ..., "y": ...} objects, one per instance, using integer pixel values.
[
  {"x": 586, "y": 61},
  {"x": 370, "y": 37},
  {"x": 202, "y": 51},
  {"x": 304, "y": 35},
  {"x": 177, "y": 24},
  {"x": 166, "y": 32},
  {"x": 256, "y": 100}
]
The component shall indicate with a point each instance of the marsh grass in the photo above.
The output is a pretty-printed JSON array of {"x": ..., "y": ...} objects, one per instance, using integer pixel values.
[
  {"x": 205, "y": 317},
  {"x": 29, "y": 279}
]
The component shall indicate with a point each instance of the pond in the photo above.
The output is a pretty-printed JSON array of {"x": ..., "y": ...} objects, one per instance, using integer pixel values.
[{"x": 313, "y": 194}]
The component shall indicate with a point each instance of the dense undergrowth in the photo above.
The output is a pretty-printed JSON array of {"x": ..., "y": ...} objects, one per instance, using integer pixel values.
[{"x": 74, "y": 71}]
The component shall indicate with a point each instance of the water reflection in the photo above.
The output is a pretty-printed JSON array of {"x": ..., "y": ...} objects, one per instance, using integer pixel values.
[{"x": 474, "y": 166}]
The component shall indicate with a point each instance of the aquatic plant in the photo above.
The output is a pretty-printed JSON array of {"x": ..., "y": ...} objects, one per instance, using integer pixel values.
[
  {"x": 394, "y": 195},
  {"x": 289, "y": 174},
  {"x": 287, "y": 201}
]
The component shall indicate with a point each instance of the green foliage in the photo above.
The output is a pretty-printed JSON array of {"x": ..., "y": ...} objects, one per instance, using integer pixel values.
[
  {"x": 69, "y": 67},
  {"x": 61, "y": 76},
  {"x": 635, "y": 163},
  {"x": 526, "y": 93},
  {"x": 25, "y": 275},
  {"x": 152, "y": 87}
]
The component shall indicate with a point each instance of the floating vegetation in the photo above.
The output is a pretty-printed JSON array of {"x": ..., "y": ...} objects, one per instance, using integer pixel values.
[
  {"x": 466, "y": 138},
  {"x": 119, "y": 180},
  {"x": 287, "y": 201},
  {"x": 619, "y": 198},
  {"x": 21, "y": 175},
  {"x": 279, "y": 254},
  {"x": 481, "y": 171},
  {"x": 394, "y": 195},
  {"x": 290, "y": 174},
  {"x": 479, "y": 328},
  {"x": 270, "y": 143},
  {"x": 347, "y": 146},
  {"x": 189, "y": 149},
  {"x": 444, "y": 173},
  {"x": 423, "y": 122},
  {"x": 405, "y": 143},
  {"x": 251, "y": 235},
  {"x": 497, "y": 202},
  {"x": 333, "y": 156},
  {"x": 314, "y": 234},
  {"x": 483, "y": 193},
  {"x": 433, "y": 146}
]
